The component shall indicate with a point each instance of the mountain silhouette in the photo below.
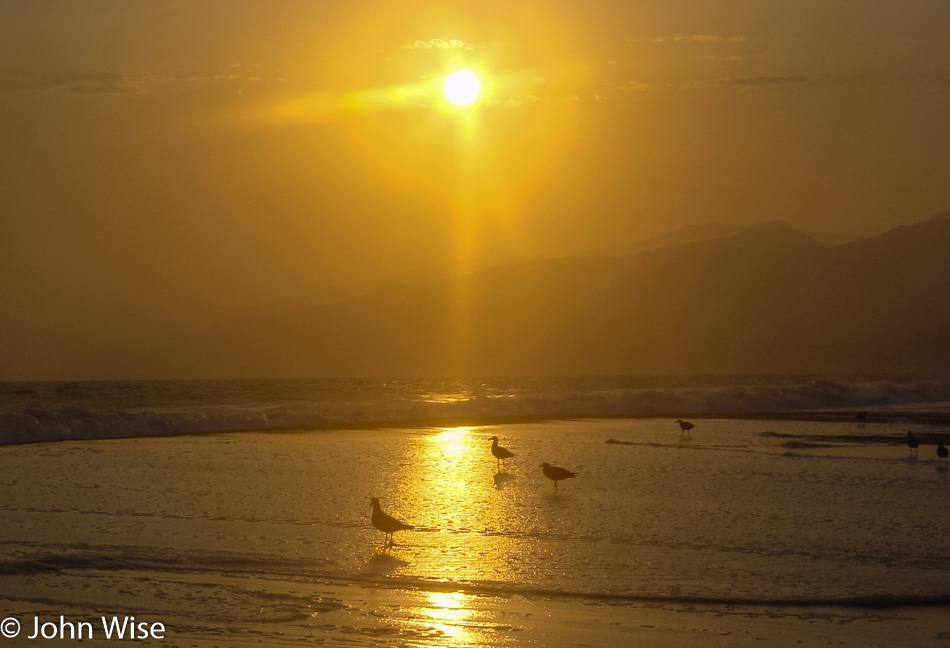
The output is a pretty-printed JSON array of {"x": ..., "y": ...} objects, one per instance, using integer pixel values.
[
  {"x": 770, "y": 300},
  {"x": 709, "y": 232}
]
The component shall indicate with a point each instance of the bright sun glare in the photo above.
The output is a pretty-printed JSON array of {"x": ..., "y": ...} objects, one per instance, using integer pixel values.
[{"x": 461, "y": 88}]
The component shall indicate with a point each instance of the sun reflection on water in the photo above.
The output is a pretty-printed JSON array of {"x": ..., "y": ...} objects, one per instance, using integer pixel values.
[
  {"x": 474, "y": 530},
  {"x": 449, "y": 614},
  {"x": 452, "y": 619},
  {"x": 453, "y": 441}
]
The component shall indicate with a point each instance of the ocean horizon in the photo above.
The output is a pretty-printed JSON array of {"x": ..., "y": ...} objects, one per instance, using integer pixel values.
[{"x": 35, "y": 412}]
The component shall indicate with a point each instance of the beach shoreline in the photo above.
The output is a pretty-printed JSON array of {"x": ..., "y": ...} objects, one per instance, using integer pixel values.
[
  {"x": 928, "y": 415},
  {"x": 391, "y": 617},
  {"x": 790, "y": 532}
]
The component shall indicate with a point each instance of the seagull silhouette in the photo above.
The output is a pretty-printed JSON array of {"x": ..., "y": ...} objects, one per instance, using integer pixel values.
[
  {"x": 386, "y": 523},
  {"x": 499, "y": 452},
  {"x": 685, "y": 427},
  {"x": 912, "y": 442},
  {"x": 942, "y": 452},
  {"x": 556, "y": 474}
]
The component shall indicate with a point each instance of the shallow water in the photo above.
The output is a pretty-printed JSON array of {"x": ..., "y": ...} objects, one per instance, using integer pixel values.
[{"x": 244, "y": 535}]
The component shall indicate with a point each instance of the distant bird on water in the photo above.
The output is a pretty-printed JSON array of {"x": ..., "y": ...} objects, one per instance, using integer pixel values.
[
  {"x": 685, "y": 427},
  {"x": 942, "y": 452},
  {"x": 386, "y": 523},
  {"x": 556, "y": 474},
  {"x": 912, "y": 442},
  {"x": 499, "y": 452}
]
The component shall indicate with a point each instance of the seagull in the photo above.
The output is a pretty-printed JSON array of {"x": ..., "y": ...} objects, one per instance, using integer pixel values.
[
  {"x": 385, "y": 523},
  {"x": 556, "y": 474},
  {"x": 912, "y": 441},
  {"x": 499, "y": 452},
  {"x": 685, "y": 426},
  {"x": 942, "y": 452}
]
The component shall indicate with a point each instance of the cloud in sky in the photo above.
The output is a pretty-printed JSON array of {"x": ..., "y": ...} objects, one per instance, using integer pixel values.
[
  {"x": 634, "y": 86},
  {"x": 700, "y": 38},
  {"x": 438, "y": 43},
  {"x": 80, "y": 82},
  {"x": 100, "y": 82},
  {"x": 691, "y": 38},
  {"x": 107, "y": 82},
  {"x": 764, "y": 80}
]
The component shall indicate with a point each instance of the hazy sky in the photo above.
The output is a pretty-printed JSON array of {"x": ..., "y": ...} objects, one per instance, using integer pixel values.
[{"x": 168, "y": 164}]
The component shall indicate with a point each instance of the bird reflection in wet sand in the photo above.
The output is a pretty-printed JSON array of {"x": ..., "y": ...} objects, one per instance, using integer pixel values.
[
  {"x": 384, "y": 563},
  {"x": 942, "y": 453},
  {"x": 499, "y": 452},
  {"x": 556, "y": 473},
  {"x": 502, "y": 478},
  {"x": 912, "y": 442},
  {"x": 386, "y": 523}
]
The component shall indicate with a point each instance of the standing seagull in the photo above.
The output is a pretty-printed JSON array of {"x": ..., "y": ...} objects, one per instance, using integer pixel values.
[
  {"x": 385, "y": 523},
  {"x": 942, "y": 452},
  {"x": 685, "y": 427},
  {"x": 499, "y": 452},
  {"x": 912, "y": 442},
  {"x": 556, "y": 474}
]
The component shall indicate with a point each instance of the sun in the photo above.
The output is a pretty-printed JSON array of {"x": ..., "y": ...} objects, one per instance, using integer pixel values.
[{"x": 462, "y": 87}]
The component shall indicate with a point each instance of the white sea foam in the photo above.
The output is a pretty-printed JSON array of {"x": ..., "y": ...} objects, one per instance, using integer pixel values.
[{"x": 38, "y": 412}]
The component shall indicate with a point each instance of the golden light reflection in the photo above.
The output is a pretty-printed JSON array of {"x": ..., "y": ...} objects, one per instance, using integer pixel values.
[
  {"x": 454, "y": 618},
  {"x": 448, "y": 613},
  {"x": 475, "y": 531},
  {"x": 453, "y": 441}
]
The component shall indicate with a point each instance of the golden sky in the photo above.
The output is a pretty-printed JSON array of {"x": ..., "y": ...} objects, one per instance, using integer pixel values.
[{"x": 171, "y": 164}]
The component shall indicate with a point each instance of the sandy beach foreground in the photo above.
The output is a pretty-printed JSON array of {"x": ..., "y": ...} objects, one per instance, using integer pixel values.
[
  {"x": 358, "y": 615},
  {"x": 750, "y": 533}
]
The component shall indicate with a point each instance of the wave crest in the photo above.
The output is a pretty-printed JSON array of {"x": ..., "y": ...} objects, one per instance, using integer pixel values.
[{"x": 78, "y": 411}]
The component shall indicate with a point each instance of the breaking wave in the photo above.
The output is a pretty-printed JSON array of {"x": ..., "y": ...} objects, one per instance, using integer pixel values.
[{"x": 41, "y": 412}]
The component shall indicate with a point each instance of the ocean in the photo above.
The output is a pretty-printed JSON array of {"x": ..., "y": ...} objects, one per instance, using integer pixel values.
[
  {"x": 32, "y": 412},
  {"x": 237, "y": 513}
]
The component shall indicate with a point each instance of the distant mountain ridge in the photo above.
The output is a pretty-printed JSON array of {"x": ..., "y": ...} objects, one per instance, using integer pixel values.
[
  {"x": 710, "y": 232},
  {"x": 765, "y": 300}
]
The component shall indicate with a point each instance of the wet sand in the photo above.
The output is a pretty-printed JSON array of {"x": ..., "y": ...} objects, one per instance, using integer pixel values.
[
  {"x": 264, "y": 539},
  {"x": 357, "y": 615}
]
